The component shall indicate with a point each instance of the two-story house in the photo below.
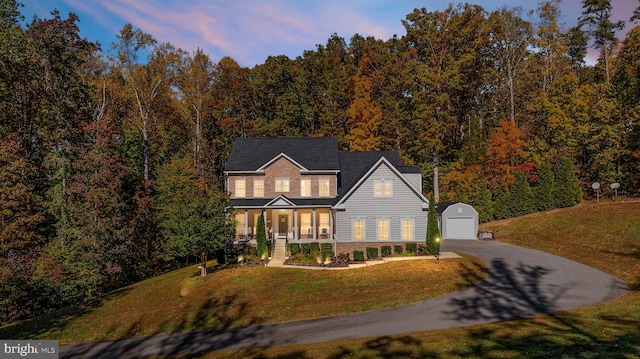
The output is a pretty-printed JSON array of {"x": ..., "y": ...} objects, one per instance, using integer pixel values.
[{"x": 308, "y": 190}]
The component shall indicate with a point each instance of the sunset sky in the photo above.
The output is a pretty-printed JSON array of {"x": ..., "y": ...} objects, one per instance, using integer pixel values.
[{"x": 251, "y": 30}]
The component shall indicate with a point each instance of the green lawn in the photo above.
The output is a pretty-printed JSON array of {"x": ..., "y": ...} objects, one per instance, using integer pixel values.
[
  {"x": 605, "y": 235},
  {"x": 181, "y": 301}
]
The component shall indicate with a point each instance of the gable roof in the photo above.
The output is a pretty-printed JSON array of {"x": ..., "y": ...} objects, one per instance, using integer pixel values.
[
  {"x": 353, "y": 165},
  {"x": 346, "y": 192},
  {"x": 311, "y": 153}
]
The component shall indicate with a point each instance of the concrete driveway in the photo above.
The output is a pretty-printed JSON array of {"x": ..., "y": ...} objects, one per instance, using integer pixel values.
[{"x": 521, "y": 282}]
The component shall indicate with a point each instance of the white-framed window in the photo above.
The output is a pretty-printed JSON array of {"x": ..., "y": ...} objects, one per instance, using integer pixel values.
[
  {"x": 258, "y": 188},
  {"x": 358, "y": 229},
  {"x": 324, "y": 184},
  {"x": 383, "y": 188},
  {"x": 305, "y": 188},
  {"x": 282, "y": 185},
  {"x": 305, "y": 224},
  {"x": 383, "y": 229},
  {"x": 241, "y": 188},
  {"x": 407, "y": 227},
  {"x": 323, "y": 225},
  {"x": 240, "y": 223}
]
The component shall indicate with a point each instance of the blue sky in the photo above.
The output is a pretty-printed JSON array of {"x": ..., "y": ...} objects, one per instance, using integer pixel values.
[{"x": 251, "y": 30}]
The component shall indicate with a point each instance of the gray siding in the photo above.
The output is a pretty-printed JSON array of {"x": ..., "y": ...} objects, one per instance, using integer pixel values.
[
  {"x": 362, "y": 204},
  {"x": 415, "y": 179}
]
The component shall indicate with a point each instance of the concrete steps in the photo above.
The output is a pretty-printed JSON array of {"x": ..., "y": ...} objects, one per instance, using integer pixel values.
[{"x": 279, "y": 253}]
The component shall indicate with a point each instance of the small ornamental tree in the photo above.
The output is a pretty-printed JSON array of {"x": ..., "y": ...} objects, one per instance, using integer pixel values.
[
  {"x": 261, "y": 238},
  {"x": 433, "y": 233}
]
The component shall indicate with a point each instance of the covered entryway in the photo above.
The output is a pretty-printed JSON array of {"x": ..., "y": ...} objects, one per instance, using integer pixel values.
[
  {"x": 283, "y": 225},
  {"x": 458, "y": 221}
]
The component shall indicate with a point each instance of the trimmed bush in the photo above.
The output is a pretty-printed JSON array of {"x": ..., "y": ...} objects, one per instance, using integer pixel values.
[
  {"x": 397, "y": 249},
  {"x": 294, "y": 248},
  {"x": 261, "y": 238},
  {"x": 412, "y": 247},
  {"x": 385, "y": 251},
  {"x": 315, "y": 246},
  {"x": 326, "y": 247},
  {"x": 306, "y": 248},
  {"x": 358, "y": 256},
  {"x": 343, "y": 258},
  {"x": 372, "y": 252}
]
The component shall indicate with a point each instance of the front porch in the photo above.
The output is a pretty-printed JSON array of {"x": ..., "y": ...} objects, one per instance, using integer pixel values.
[{"x": 299, "y": 224}]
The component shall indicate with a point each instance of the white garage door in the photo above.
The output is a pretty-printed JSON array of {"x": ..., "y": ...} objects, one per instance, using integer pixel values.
[{"x": 460, "y": 228}]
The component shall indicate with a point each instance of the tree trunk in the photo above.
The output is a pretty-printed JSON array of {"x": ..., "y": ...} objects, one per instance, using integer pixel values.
[
  {"x": 145, "y": 152},
  {"x": 203, "y": 260},
  {"x": 436, "y": 189}
]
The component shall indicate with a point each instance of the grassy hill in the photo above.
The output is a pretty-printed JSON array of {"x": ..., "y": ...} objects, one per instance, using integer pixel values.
[{"x": 181, "y": 301}]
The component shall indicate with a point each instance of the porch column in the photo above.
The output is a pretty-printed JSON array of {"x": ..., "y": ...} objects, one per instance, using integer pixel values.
[
  {"x": 313, "y": 224},
  {"x": 264, "y": 216},
  {"x": 246, "y": 223},
  {"x": 295, "y": 224},
  {"x": 330, "y": 224}
]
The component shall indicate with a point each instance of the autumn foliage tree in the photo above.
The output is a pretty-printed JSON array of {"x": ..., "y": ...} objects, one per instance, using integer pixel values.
[
  {"x": 365, "y": 113},
  {"x": 20, "y": 240},
  {"x": 506, "y": 150}
]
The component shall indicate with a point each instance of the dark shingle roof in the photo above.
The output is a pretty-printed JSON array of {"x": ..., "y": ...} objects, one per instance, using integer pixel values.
[
  {"x": 440, "y": 207},
  {"x": 249, "y": 154}
]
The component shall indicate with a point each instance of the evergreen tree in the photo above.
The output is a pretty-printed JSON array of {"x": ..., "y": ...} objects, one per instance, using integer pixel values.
[
  {"x": 545, "y": 190},
  {"x": 568, "y": 190},
  {"x": 433, "y": 233},
  {"x": 501, "y": 208},
  {"x": 261, "y": 238},
  {"x": 482, "y": 202},
  {"x": 520, "y": 198}
]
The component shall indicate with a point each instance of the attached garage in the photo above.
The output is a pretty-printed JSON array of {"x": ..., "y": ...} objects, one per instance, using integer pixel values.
[{"x": 457, "y": 221}]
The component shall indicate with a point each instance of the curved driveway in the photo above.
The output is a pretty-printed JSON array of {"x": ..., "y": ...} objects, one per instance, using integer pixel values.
[{"x": 521, "y": 282}]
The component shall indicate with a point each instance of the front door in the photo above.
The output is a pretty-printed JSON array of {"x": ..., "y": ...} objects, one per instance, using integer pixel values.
[{"x": 283, "y": 225}]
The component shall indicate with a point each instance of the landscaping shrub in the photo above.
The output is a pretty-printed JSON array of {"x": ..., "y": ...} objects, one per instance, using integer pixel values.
[
  {"x": 251, "y": 251},
  {"x": 343, "y": 258},
  {"x": 315, "y": 247},
  {"x": 358, "y": 256},
  {"x": 326, "y": 247},
  {"x": 327, "y": 256},
  {"x": 306, "y": 248},
  {"x": 412, "y": 247},
  {"x": 372, "y": 252},
  {"x": 397, "y": 249},
  {"x": 385, "y": 251},
  {"x": 294, "y": 248}
]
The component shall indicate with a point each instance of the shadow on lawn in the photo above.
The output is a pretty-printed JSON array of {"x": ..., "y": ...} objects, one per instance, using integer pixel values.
[
  {"x": 161, "y": 345},
  {"x": 59, "y": 319}
]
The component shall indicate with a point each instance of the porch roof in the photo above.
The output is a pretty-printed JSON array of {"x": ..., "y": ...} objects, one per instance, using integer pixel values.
[{"x": 297, "y": 202}]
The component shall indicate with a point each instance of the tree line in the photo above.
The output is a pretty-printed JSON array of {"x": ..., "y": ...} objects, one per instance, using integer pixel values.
[{"x": 111, "y": 159}]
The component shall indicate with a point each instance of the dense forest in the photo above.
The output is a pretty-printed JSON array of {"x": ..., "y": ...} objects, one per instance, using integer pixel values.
[{"x": 111, "y": 158}]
